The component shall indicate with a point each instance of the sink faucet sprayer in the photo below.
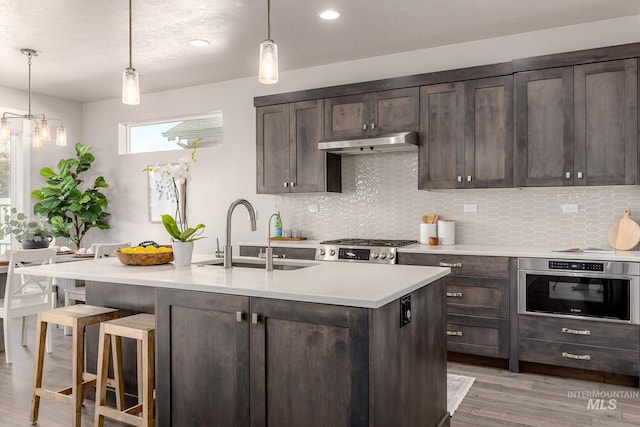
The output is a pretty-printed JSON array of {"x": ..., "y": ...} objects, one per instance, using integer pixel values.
[
  {"x": 269, "y": 250},
  {"x": 252, "y": 216}
]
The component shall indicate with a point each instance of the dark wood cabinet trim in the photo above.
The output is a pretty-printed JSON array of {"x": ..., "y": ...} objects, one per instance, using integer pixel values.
[
  {"x": 609, "y": 53},
  {"x": 447, "y": 76}
]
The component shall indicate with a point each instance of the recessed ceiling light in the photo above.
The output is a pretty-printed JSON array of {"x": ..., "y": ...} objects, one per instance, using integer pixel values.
[
  {"x": 329, "y": 14},
  {"x": 199, "y": 43}
]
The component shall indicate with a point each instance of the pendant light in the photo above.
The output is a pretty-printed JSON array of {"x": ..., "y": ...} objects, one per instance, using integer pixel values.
[
  {"x": 130, "y": 80},
  {"x": 268, "y": 71},
  {"x": 41, "y": 132}
]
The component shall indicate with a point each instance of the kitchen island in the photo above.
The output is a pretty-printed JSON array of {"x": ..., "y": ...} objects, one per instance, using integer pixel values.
[{"x": 325, "y": 344}]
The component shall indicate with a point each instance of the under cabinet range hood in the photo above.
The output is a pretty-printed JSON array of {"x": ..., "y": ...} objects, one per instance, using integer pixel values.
[{"x": 403, "y": 141}]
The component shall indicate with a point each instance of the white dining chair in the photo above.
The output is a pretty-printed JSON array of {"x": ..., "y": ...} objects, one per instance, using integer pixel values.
[
  {"x": 78, "y": 293},
  {"x": 26, "y": 295}
]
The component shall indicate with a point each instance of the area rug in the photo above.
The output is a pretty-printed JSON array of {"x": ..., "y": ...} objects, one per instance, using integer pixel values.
[{"x": 457, "y": 388}]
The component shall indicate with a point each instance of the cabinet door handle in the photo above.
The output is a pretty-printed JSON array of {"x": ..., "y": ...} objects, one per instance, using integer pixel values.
[
  {"x": 579, "y": 175},
  {"x": 364, "y": 126},
  {"x": 576, "y": 356},
  {"x": 567, "y": 175},
  {"x": 459, "y": 178},
  {"x": 454, "y": 294},
  {"x": 255, "y": 318},
  {"x": 373, "y": 126},
  {"x": 454, "y": 333},
  {"x": 239, "y": 316},
  {"x": 576, "y": 331},
  {"x": 286, "y": 184},
  {"x": 293, "y": 184},
  {"x": 468, "y": 178},
  {"x": 451, "y": 264}
]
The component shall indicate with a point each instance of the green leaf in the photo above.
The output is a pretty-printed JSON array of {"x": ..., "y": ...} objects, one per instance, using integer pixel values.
[
  {"x": 170, "y": 225},
  {"x": 47, "y": 172},
  {"x": 100, "y": 183}
]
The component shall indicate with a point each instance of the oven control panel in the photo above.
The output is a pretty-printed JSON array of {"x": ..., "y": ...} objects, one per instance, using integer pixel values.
[
  {"x": 376, "y": 255},
  {"x": 578, "y": 266}
]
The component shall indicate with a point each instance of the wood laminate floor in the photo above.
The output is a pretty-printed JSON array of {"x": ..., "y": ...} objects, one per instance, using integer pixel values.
[{"x": 497, "y": 397}]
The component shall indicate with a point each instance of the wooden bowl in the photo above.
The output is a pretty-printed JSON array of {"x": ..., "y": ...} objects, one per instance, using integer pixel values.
[{"x": 143, "y": 258}]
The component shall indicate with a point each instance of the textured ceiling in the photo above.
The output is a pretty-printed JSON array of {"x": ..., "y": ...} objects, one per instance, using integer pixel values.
[{"x": 83, "y": 44}]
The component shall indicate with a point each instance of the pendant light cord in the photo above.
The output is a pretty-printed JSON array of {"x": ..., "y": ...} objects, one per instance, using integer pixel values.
[
  {"x": 130, "y": 38},
  {"x": 29, "y": 62},
  {"x": 269, "y": 19}
]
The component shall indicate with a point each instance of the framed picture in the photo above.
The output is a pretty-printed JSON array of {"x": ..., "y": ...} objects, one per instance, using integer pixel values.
[{"x": 162, "y": 198}]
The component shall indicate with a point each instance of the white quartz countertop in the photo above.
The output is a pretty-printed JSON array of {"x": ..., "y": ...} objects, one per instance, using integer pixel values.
[
  {"x": 519, "y": 252},
  {"x": 339, "y": 283}
]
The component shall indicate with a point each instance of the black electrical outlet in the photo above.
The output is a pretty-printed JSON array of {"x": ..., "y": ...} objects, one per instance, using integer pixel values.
[{"x": 405, "y": 310}]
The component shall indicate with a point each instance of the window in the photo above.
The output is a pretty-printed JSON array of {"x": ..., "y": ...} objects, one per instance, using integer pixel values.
[
  {"x": 14, "y": 174},
  {"x": 170, "y": 134}
]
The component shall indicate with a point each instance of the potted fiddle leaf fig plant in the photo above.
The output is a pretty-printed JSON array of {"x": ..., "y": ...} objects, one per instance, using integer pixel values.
[
  {"x": 32, "y": 232},
  {"x": 72, "y": 206}
]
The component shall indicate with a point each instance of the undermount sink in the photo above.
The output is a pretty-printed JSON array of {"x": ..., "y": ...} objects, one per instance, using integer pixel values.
[{"x": 258, "y": 265}]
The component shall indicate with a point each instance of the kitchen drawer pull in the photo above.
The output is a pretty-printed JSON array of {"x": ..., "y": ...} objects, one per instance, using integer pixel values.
[
  {"x": 239, "y": 316},
  {"x": 579, "y": 175},
  {"x": 364, "y": 126},
  {"x": 451, "y": 264},
  {"x": 459, "y": 178},
  {"x": 576, "y": 356},
  {"x": 469, "y": 178},
  {"x": 576, "y": 331},
  {"x": 293, "y": 184},
  {"x": 255, "y": 318},
  {"x": 567, "y": 175},
  {"x": 286, "y": 184},
  {"x": 373, "y": 126},
  {"x": 454, "y": 294},
  {"x": 454, "y": 333}
]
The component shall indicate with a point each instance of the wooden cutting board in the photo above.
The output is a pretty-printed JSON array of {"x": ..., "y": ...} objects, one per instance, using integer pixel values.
[{"x": 624, "y": 234}]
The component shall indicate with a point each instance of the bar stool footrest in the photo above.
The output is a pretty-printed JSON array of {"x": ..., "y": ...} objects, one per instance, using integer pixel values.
[{"x": 125, "y": 417}]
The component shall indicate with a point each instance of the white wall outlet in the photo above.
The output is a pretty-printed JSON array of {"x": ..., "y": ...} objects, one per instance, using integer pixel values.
[
  {"x": 314, "y": 208},
  {"x": 470, "y": 207},
  {"x": 569, "y": 208}
]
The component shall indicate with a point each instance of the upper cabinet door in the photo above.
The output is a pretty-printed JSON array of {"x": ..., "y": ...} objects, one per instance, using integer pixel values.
[
  {"x": 394, "y": 111},
  {"x": 441, "y": 150},
  {"x": 308, "y": 168},
  {"x": 606, "y": 123},
  {"x": 489, "y": 132},
  {"x": 544, "y": 127},
  {"x": 347, "y": 116},
  {"x": 272, "y": 149}
]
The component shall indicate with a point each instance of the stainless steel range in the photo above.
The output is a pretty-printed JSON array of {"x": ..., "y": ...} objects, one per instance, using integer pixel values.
[{"x": 377, "y": 251}]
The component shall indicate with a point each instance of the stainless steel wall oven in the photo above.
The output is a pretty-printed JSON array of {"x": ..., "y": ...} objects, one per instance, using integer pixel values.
[{"x": 598, "y": 290}]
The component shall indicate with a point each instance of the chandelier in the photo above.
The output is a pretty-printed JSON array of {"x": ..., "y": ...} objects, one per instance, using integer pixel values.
[{"x": 41, "y": 133}]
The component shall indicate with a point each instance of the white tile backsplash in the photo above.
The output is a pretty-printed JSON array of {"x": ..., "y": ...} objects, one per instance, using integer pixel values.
[{"x": 380, "y": 199}]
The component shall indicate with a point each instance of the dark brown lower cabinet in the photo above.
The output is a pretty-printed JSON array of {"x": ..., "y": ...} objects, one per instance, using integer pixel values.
[{"x": 227, "y": 360}]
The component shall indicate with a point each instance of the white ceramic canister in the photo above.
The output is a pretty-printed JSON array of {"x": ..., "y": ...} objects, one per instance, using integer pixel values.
[
  {"x": 447, "y": 231},
  {"x": 426, "y": 231}
]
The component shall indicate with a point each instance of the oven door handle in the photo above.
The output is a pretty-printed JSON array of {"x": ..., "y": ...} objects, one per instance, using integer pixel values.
[
  {"x": 451, "y": 264},
  {"x": 563, "y": 273}
]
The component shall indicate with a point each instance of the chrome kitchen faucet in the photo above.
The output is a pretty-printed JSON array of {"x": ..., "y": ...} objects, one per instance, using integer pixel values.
[{"x": 252, "y": 216}]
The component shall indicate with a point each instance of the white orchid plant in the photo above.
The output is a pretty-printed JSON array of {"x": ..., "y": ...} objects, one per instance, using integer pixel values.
[{"x": 171, "y": 176}]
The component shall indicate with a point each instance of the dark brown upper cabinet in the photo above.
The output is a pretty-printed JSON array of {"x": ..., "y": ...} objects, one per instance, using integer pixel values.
[
  {"x": 372, "y": 114},
  {"x": 466, "y": 134},
  {"x": 578, "y": 125},
  {"x": 287, "y": 155}
]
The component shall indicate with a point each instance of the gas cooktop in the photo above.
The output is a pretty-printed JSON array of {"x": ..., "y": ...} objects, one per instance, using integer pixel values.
[
  {"x": 369, "y": 242},
  {"x": 379, "y": 251}
]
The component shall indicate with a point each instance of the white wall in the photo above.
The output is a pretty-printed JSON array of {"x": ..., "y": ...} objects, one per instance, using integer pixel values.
[{"x": 227, "y": 171}]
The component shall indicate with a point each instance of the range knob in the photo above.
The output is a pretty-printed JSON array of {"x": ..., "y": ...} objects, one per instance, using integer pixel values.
[
  {"x": 391, "y": 256},
  {"x": 383, "y": 256},
  {"x": 332, "y": 252},
  {"x": 322, "y": 252},
  {"x": 374, "y": 255}
]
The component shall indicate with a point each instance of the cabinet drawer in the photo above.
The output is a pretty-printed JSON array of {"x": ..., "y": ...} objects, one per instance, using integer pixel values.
[
  {"x": 478, "y": 335},
  {"x": 584, "y": 332},
  {"x": 580, "y": 356},
  {"x": 478, "y": 296},
  {"x": 461, "y": 265}
]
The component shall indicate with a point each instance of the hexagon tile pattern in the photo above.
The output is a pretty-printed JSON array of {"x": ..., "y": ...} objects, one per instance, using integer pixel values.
[{"x": 380, "y": 199}]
